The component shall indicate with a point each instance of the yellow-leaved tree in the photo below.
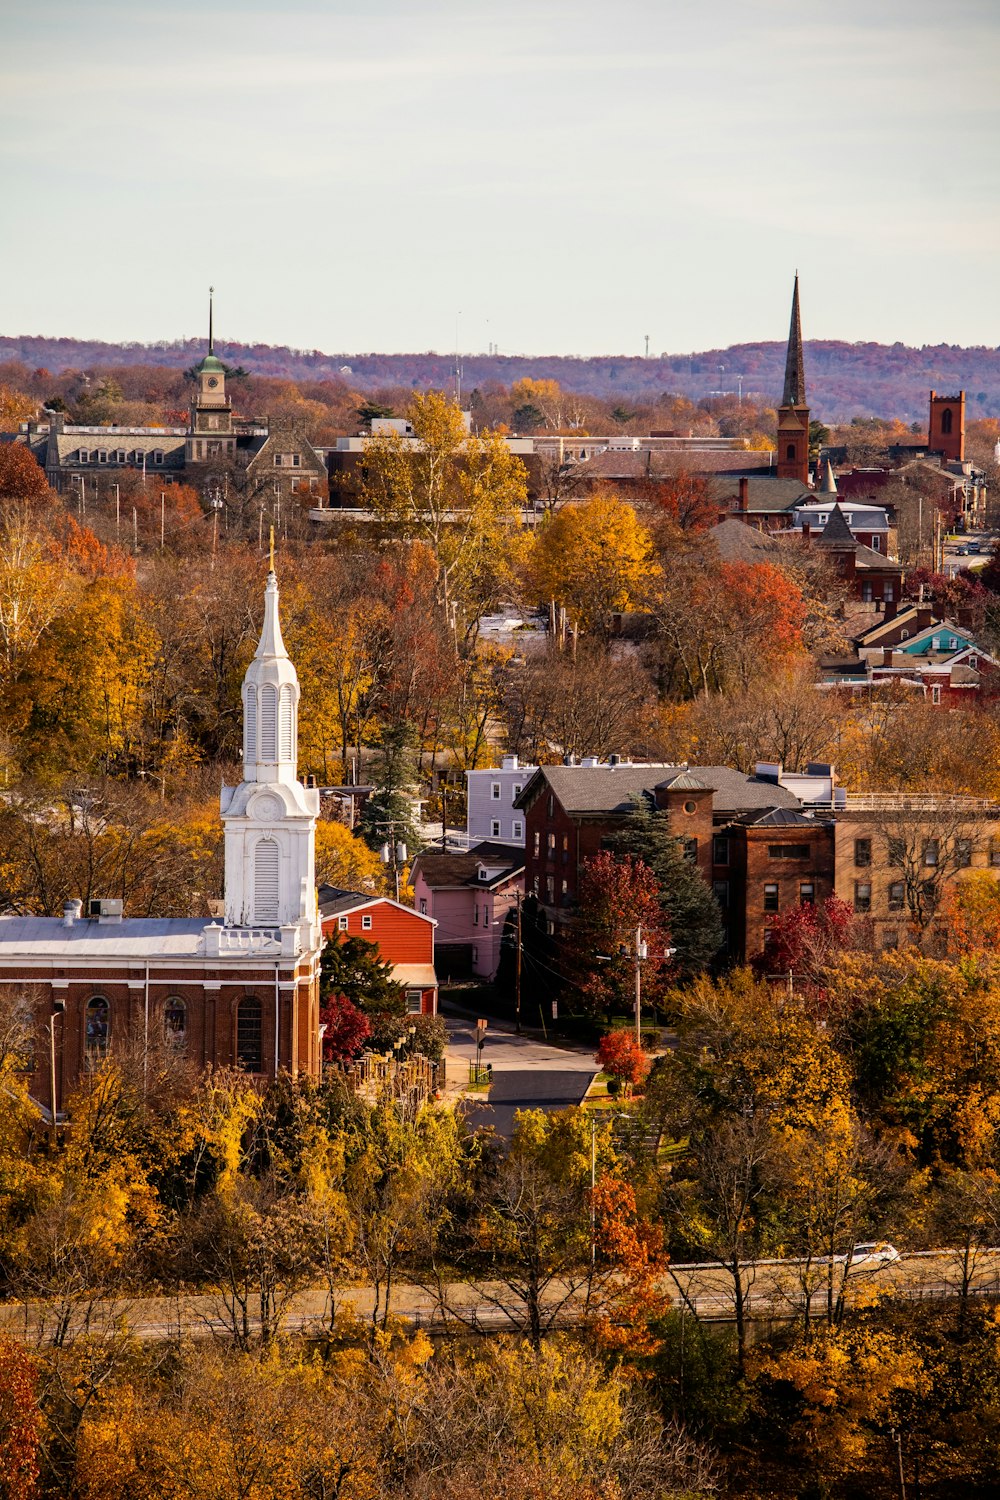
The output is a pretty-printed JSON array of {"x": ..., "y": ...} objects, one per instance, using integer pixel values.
[{"x": 593, "y": 558}]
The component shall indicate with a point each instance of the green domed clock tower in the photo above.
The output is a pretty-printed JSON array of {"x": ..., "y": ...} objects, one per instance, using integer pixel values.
[{"x": 211, "y": 435}]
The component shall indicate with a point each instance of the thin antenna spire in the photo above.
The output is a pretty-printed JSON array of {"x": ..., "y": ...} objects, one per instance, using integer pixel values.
[
  {"x": 271, "y": 565},
  {"x": 211, "y": 336}
]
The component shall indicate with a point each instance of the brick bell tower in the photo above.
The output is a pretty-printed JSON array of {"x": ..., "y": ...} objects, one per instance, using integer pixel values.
[
  {"x": 946, "y": 428},
  {"x": 793, "y": 413}
]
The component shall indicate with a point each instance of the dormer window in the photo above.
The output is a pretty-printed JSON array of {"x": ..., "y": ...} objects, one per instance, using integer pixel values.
[
  {"x": 83, "y": 456},
  {"x": 121, "y": 456},
  {"x": 157, "y": 455},
  {"x": 483, "y": 873}
]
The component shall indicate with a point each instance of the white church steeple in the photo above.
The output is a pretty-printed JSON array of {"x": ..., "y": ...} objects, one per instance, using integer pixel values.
[{"x": 270, "y": 818}]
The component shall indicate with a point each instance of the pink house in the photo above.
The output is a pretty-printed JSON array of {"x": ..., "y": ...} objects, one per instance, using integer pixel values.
[{"x": 469, "y": 897}]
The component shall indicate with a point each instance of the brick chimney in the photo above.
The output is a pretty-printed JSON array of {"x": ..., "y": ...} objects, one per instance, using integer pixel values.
[
  {"x": 743, "y": 503},
  {"x": 806, "y": 532}
]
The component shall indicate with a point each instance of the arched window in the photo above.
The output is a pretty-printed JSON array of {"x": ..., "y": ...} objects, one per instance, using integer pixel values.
[
  {"x": 269, "y": 723},
  {"x": 790, "y": 453},
  {"x": 249, "y": 1035},
  {"x": 250, "y": 726},
  {"x": 175, "y": 1021},
  {"x": 266, "y": 866},
  {"x": 98, "y": 1023},
  {"x": 946, "y": 420},
  {"x": 286, "y": 724}
]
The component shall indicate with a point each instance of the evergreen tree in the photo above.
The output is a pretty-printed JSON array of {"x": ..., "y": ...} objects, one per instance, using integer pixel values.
[
  {"x": 352, "y": 967},
  {"x": 690, "y": 910},
  {"x": 388, "y": 816}
]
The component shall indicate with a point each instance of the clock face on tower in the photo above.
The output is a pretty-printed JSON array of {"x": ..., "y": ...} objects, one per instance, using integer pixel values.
[{"x": 212, "y": 383}]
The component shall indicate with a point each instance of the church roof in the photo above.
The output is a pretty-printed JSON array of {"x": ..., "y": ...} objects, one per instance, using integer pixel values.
[
  {"x": 211, "y": 362},
  {"x": 134, "y": 937}
]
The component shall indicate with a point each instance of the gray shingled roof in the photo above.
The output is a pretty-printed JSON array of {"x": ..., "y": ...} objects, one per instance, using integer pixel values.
[
  {"x": 736, "y": 541},
  {"x": 613, "y": 789},
  {"x": 441, "y": 870},
  {"x": 764, "y": 492},
  {"x": 779, "y": 817}
]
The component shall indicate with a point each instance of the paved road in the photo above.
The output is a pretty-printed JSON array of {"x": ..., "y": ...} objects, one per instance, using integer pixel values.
[
  {"x": 775, "y": 1291},
  {"x": 527, "y": 1074}
]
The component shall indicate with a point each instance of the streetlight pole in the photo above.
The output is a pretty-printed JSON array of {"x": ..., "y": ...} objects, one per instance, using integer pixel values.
[
  {"x": 517, "y": 967},
  {"x": 640, "y": 953}
]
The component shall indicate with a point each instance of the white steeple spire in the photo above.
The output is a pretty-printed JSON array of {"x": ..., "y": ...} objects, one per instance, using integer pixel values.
[
  {"x": 270, "y": 818},
  {"x": 270, "y": 701}
]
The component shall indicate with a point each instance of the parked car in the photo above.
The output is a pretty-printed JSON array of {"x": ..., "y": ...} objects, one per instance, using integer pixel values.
[{"x": 872, "y": 1254}]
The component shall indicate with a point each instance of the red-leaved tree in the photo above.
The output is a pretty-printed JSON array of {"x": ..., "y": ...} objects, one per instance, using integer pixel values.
[
  {"x": 347, "y": 1028},
  {"x": 617, "y": 897},
  {"x": 806, "y": 940},
  {"x": 620, "y": 1055},
  {"x": 20, "y": 1422}
]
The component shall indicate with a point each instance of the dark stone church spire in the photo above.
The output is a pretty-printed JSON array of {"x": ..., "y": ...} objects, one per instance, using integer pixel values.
[{"x": 795, "y": 375}]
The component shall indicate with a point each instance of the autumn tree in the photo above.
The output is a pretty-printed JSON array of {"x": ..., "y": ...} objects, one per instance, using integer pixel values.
[
  {"x": 689, "y": 910},
  {"x": 460, "y": 494},
  {"x": 619, "y": 909},
  {"x": 592, "y": 558}
]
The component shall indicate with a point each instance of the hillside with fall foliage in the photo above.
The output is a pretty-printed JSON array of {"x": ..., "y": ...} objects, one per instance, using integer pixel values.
[{"x": 845, "y": 379}]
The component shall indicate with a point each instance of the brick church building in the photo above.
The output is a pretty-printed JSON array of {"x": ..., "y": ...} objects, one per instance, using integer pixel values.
[{"x": 240, "y": 992}]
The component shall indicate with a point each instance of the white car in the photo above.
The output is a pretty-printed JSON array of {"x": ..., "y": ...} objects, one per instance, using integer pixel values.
[{"x": 872, "y": 1254}]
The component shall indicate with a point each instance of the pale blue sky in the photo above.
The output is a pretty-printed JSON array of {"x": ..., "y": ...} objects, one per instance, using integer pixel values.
[{"x": 562, "y": 176}]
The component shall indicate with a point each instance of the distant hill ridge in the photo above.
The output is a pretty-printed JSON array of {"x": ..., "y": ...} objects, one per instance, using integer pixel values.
[{"x": 844, "y": 380}]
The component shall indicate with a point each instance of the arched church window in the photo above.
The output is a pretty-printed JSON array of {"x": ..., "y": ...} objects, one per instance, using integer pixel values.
[
  {"x": 790, "y": 453},
  {"x": 287, "y": 720},
  {"x": 946, "y": 420},
  {"x": 266, "y": 865},
  {"x": 250, "y": 725},
  {"x": 98, "y": 1029},
  {"x": 175, "y": 1021},
  {"x": 268, "y": 723},
  {"x": 249, "y": 1035}
]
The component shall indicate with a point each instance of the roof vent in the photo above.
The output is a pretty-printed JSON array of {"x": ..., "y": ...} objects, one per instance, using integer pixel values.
[
  {"x": 106, "y": 910},
  {"x": 590, "y": 761},
  {"x": 614, "y": 760},
  {"x": 71, "y": 912}
]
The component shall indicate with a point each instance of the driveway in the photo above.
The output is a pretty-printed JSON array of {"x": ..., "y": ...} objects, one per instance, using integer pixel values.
[{"x": 527, "y": 1074}]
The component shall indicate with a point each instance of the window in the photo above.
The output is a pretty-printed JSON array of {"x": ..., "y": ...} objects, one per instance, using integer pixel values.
[
  {"x": 862, "y": 853},
  {"x": 286, "y": 724},
  {"x": 862, "y": 895},
  {"x": 994, "y": 852},
  {"x": 930, "y": 894},
  {"x": 98, "y": 1029},
  {"x": 691, "y": 850},
  {"x": 366, "y": 924},
  {"x": 897, "y": 851},
  {"x": 866, "y": 592},
  {"x": 517, "y": 829},
  {"x": 788, "y": 851},
  {"x": 974, "y": 662},
  {"x": 249, "y": 1035},
  {"x": 266, "y": 882},
  {"x": 121, "y": 457},
  {"x": 494, "y": 829},
  {"x": 175, "y": 1021},
  {"x": 534, "y": 885},
  {"x": 565, "y": 843},
  {"x": 516, "y": 792},
  {"x": 342, "y": 924},
  {"x": 423, "y": 906},
  {"x": 935, "y": 695},
  {"x": 102, "y": 455},
  {"x": 550, "y": 888},
  {"x": 269, "y": 723},
  {"x": 83, "y": 456},
  {"x": 904, "y": 635},
  {"x": 963, "y": 853},
  {"x": 538, "y": 842},
  {"x": 720, "y": 889},
  {"x": 807, "y": 893},
  {"x": 771, "y": 897},
  {"x": 552, "y": 805},
  {"x": 495, "y": 790},
  {"x": 931, "y": 851},
  {"x": 790, "y": 453},
  {"x": 551, "y": 845},
  {"x": 897, "y": 895},
  {"x": 414, "y": 1002},
  {"x": 890, "y": 939},
  {"x": 720, "y": 850},
  {"x": 875, "y": 548},
  {"x": 475, "y": 915},
  {"x": 565, "y": 891},
  {"x": 946, "y": 420}
]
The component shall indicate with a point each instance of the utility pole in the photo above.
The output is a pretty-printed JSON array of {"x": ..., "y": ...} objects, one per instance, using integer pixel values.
[
  {"x": 135, "y": 532},
  {"x": 640, "y": 954},
  {"x": 118, "y": 513},
  {"x": 163, "y": 518},
  {"x": 517, "y": 966}
]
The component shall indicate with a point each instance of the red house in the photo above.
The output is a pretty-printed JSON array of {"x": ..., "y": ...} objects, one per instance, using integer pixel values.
[{"x": 404, "y": 938}]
